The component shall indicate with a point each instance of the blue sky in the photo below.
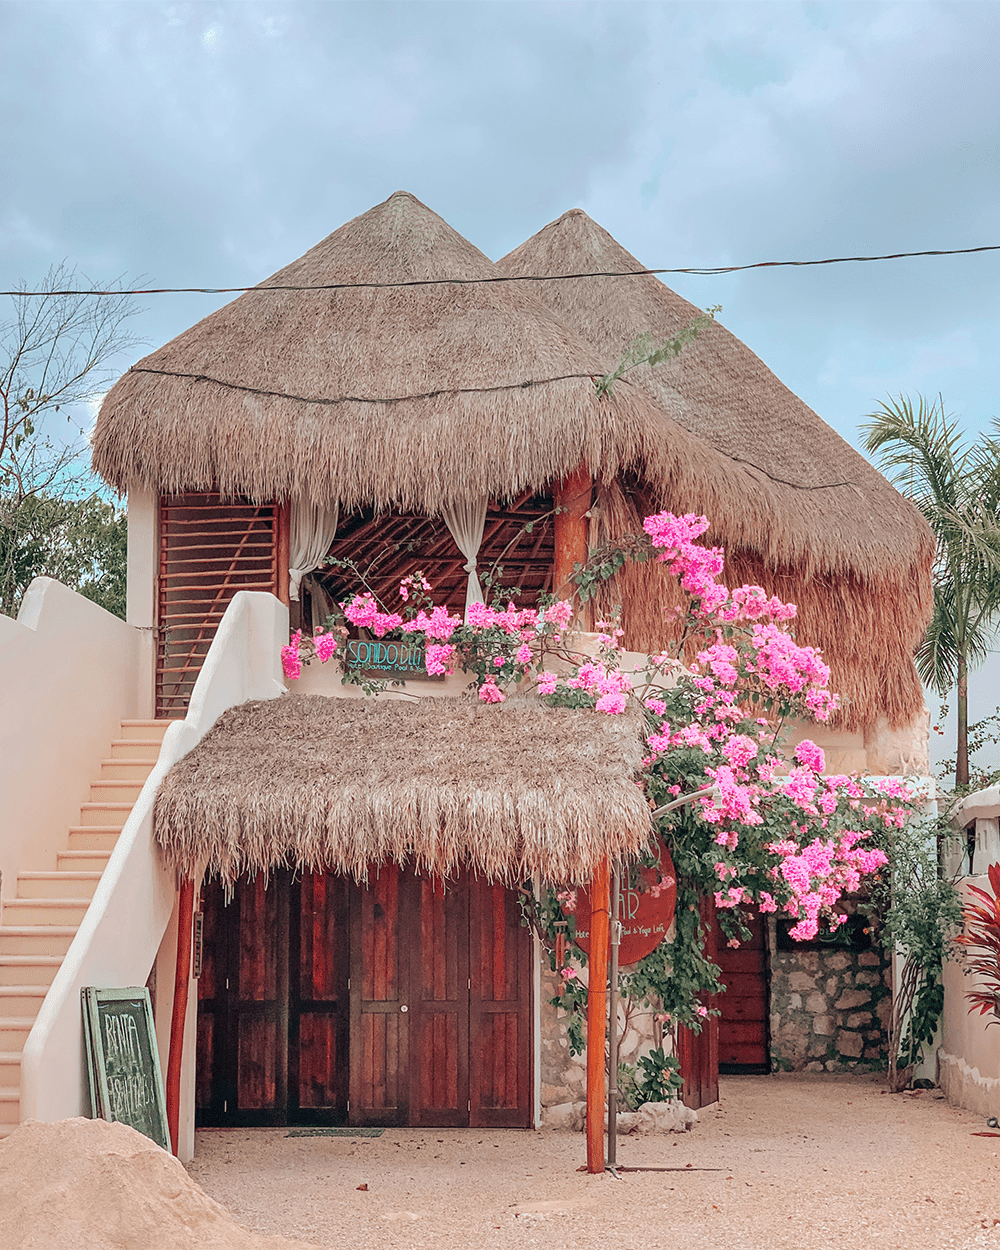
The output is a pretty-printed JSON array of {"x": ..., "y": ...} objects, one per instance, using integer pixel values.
[{"x": 211, "y": 143}]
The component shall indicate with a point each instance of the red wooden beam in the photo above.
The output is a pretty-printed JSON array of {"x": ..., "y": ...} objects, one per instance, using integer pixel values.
[
  {"x": 182, "y": 978},
  {"x": 597, "y": 1008}
]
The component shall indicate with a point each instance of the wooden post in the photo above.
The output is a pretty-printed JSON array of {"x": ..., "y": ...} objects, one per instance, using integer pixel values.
[
  {"x": 597, "y": 1006},
  {"x": 572, "y": 499},
  {"x": 615, "y": 930},
  {"x": 283, "y": 539},
  {"x": 182, "y": 978}
]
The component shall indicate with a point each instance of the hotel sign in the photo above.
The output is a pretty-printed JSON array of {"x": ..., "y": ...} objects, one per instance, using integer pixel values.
[
  {"x": 391, "y": 661},
  {"x": 645, "y": 909}
]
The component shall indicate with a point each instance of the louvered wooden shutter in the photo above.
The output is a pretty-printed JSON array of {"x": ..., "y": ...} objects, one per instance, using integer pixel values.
[{"x": 209, "y": 550}]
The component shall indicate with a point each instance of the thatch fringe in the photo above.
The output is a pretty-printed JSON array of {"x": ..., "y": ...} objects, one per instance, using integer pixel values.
[{"x": 343, "y": 785}]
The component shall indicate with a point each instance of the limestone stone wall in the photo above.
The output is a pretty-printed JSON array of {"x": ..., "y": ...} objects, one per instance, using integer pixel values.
[
  {"x": 829, "y": 1010},
  {"x": 564, "y": 1076}
]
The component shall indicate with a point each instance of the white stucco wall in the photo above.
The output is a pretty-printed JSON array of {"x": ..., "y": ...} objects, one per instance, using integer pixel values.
[
  {"x": 68, "y": 677},
  {"x": 143, "y": 567}
]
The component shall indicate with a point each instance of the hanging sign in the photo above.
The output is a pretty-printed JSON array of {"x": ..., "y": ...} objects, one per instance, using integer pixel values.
[
  {"x": 395, "y": 661},
  {"x": 646, "y": 911}
]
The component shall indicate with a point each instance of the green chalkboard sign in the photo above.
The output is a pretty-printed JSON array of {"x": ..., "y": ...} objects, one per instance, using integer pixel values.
[{"x": 123, "y": 1063}]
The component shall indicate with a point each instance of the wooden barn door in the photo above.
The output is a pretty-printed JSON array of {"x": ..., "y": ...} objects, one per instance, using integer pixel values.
[
  {"x": 272, "y": 1003},
  {"x": 400, "y": 1002},
  {"x": 743, "y": 1008},
  {"x": 209, "y": 549}
]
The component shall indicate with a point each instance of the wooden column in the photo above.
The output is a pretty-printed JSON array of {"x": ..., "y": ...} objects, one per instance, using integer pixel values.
[
  {"x": 182, "y": 979},
  {"x": 597, "y": 1008},
  {"x": 572, "y": 499},
  {"x": 283, "y": 540}
]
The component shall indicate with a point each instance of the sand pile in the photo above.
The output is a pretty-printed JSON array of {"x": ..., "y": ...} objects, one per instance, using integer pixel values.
[{"x": 91, "y": 1185}]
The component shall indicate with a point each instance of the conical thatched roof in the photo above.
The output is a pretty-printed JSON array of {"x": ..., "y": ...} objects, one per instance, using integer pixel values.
[
  {"x": 444, "y": 784},
  {"x": 819, "y": 525},
  {"x": 270, "y": 396}
]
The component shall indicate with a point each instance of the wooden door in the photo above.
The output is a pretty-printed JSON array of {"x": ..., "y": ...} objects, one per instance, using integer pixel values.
[
  {"x": 272, "y": 1003},
  {"x": 406, "y": 1001},
  {"x": 439, "y": 1002},
  {"x": 380, "y": 946},
  {"x": 499, "y": 1009},
  {"x": 743, "y": 1008},
  {"x": 699, "y": 1052}
]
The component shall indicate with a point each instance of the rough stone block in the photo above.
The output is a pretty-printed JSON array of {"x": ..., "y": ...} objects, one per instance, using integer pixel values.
[
  {"x": 850, "y": 1043},
  {"x": 814, "y": 1066},
  {"x": 553, "y": 1094},
  {"x": 852, "y": 998},
  {"x": 859, "y": 1020},
  {"x": 869, "y": 959},
  {"x": 832, "y": 985},
  {"x": 571, "y": 1115},
  {"x": 838, "y": 961},
  {"x": 794, "y": 1002},
  {"x": 873, "y": 1052},
  {"x": 824, "y": 1026},
  {"x": 802, "y": 982},
  {"x": 884, "y": 1011},
  {"x": 816, "y": 1003},
  {"x": 868, "y": 976}
]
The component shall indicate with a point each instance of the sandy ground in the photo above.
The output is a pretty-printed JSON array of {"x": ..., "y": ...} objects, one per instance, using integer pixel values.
[{"x": 817, "y": 1162}]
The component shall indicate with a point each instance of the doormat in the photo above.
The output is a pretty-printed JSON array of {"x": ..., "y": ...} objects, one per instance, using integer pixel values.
[{"x": 335, "y": 1132}]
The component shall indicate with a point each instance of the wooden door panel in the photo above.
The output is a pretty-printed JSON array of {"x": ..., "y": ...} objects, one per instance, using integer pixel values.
[
  {"x": 258, "y": 1055},
  {"x": 743, "y": 1008},
  {"x": 699, "y": 1052},
  {"x": 439, "y": 1001},
  {"x": 319, "y": 1082},
  {"x": 379, "y": 1025},
  {"x": 499, "y": 1008}
]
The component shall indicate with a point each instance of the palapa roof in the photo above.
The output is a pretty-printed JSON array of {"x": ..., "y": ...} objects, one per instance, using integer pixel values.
[
  {"x": 417, "y": 397},
  {"x": 818, "y": 524},
  {"x": 414, "y": 397},
  {"x": 345, "y": 784}
]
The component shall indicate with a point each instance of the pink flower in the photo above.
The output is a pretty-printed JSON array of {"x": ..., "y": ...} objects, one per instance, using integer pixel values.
[
  {"x": 547, "y": 683},
  {"x": 523, "y": 654},
  {"x": 291, "y": 662},
  {"x": 437, "y": 657},
  {"x": 489, "y": 692},
  {"x": 569, "y": 974},
  {"x": 809, "y": 754},
  {"x": 612, "y": 703},
  {"x": 559, "y": 614},
  {"x": 701, "y": 1010},
  {"x": 325, "y": 645},
  {"x": 739, "y": 750}
]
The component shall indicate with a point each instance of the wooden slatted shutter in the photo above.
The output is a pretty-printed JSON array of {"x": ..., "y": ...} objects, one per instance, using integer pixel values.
[{"x": 209, "y": 550}]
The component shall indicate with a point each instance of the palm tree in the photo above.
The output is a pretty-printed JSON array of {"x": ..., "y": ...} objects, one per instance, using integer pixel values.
[{"x": 956, "y": 487}]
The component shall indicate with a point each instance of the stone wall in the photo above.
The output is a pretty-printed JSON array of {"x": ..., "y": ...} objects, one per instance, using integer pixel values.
[
  {"x": 829, "y": 1010},
  {"x": 564, "y": 1076}
]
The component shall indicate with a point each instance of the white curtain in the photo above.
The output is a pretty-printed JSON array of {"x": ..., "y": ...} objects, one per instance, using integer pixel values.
[
  {"x": 313, "y": 530},
  {"x": 467, "y": 522}
]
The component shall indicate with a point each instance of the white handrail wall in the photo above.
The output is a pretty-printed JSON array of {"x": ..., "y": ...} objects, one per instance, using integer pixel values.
[
  {"x": 69, "y": 675},
  {"x": 121, "y": 932}
]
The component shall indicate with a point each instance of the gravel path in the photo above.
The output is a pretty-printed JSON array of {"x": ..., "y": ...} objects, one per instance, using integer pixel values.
[{"x": 823, "y": 1163}]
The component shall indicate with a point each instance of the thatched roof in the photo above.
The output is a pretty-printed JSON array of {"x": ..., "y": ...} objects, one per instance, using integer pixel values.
[
  {"x": 343, "y": 784},
  {"x": 819, "y": 527},
  {"x": 264, "y": 397}
]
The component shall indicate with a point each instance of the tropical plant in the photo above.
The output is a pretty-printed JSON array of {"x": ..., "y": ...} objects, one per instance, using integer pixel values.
[
  {"x": 658, "y": 1076},
  {"x": 956, "y": 487},
  {"x": 921, "y": 910},
  {"x": 981, "y": 937}
]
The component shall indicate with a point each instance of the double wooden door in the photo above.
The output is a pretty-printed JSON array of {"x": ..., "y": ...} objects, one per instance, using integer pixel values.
[{"x": 402, "y": 1001}]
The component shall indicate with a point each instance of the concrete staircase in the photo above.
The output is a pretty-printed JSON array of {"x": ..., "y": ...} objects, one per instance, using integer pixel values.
[{"x": 38, "y": 924}]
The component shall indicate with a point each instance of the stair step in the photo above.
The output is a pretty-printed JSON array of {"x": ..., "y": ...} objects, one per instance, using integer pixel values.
[
  {"x": 145, "y": 729},
  {"x": 36, "y": 939},
  {"x": 75, "y": 884},
  {"x": 14, "y": 1031},
  {"x": 10, "y": 1105},
  {"x": 82, "y": 861},
  {"x": 114, "y": 791},
  {"x": 45, "y": 911},
  {"x": 10, "y": 1068},
  {"x": 126, "y": 769},
  {"x": 28, "y": 970},
  {"x": 136, "y": 749},
  {"x": 21, "y": 1000},
  {"x": 105, "y": 814},
  {"x": 93, "y": 837}
]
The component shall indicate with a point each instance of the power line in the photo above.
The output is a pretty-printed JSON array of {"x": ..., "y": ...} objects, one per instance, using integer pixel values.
[{"x": 498, "y": 278}]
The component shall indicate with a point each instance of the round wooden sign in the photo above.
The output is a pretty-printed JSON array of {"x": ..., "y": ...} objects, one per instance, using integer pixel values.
[{"x": 645, "y": 911}]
